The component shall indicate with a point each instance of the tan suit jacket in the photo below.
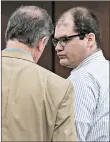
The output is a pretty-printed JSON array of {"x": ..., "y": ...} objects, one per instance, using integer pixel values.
[{"x": 37, "y": 105}]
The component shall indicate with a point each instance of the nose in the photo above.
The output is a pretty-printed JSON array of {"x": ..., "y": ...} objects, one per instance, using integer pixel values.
[{"x": 58, "y": 47}]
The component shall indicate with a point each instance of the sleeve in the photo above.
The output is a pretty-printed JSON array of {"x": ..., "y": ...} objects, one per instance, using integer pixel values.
[
  {"x": 85, "y": 105},
  {"x": 65, "y": 127}
]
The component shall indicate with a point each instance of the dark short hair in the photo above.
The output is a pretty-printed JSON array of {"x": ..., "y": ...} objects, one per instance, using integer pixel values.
[
  {"x": 29, "y": 24},
  {"x": 85, "y": 22}
]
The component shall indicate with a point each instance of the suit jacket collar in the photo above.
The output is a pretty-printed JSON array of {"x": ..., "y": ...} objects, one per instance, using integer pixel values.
[{"x": 17, "y": 54}]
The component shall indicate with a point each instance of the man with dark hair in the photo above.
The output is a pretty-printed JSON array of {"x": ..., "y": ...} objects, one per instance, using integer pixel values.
[
  {"x": 34, "y": 106},
  {"x": 78, "y": 45}
]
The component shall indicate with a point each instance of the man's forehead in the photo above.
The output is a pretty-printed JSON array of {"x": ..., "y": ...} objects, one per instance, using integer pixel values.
[
  {"x": 64, "y": 25},
  {"x": 65, "y": 20},
  {"x": 63, "y": 29}
]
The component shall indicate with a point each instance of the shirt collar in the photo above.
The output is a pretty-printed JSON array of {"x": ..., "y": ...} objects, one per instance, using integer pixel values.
[{"x": 18, "y": 49}]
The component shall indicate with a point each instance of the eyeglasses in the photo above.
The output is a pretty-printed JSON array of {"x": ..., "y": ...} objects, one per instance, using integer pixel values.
[{"x": 64, "y": 40}]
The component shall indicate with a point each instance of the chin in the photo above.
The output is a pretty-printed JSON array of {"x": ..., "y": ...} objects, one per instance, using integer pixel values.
[
  {"x": 64, "y": 63},
  {"x": 67, "y": 64}
]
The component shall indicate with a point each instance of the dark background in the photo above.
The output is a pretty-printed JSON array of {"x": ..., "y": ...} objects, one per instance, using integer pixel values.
[{"x": 49, "y": 59}]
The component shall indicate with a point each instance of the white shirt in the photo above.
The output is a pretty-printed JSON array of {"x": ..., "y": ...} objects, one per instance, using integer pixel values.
[{"x": 91, "y": 84}]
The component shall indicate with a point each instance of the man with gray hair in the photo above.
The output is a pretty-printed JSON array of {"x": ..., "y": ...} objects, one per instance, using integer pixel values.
[
  {"x": 78, "y": 45},
  {"x": 34, "y": 106}
]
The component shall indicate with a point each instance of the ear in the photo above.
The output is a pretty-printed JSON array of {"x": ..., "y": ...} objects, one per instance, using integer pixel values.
[
  {"x": 45, "y": 40},
  {"x": 91, "y": 39},
  {"x": 42, "y": 43}
]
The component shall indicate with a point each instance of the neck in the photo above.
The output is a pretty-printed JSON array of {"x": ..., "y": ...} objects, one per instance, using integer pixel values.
[
  {"x": 33, "y": 51},
  {"x": 17, "y": 44},
  {"x": 95, "y": 49}
]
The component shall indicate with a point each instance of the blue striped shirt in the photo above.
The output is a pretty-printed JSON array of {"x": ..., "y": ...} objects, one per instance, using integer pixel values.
[{"x": 91, "y": 85}]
